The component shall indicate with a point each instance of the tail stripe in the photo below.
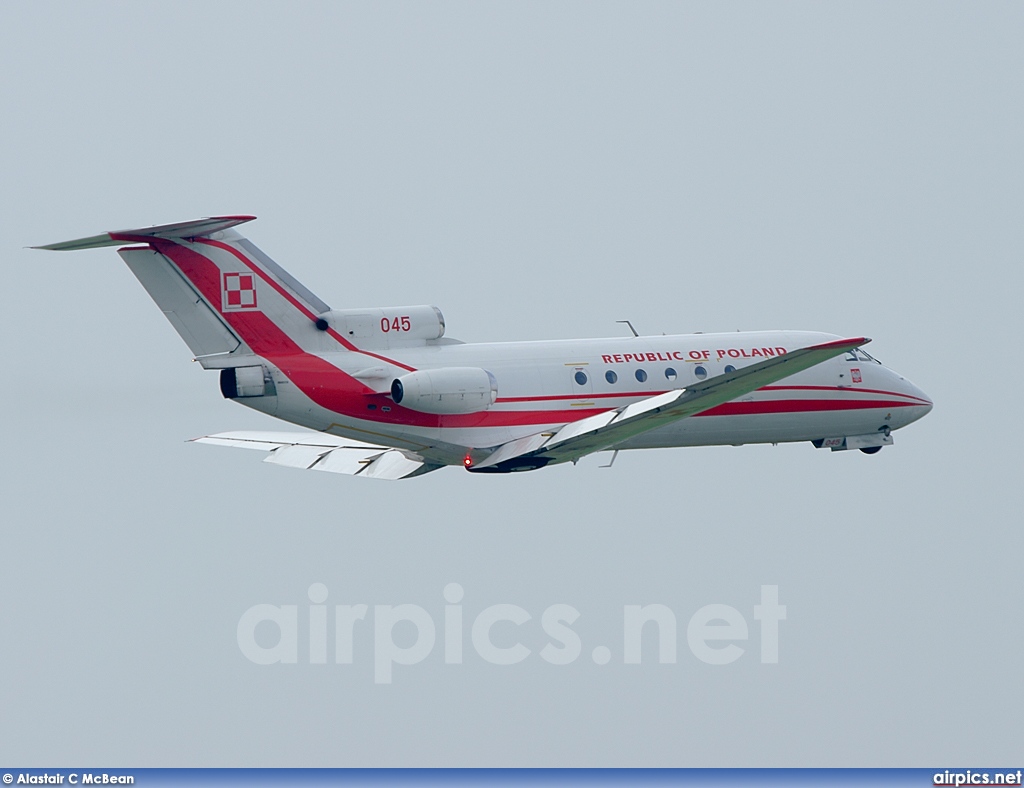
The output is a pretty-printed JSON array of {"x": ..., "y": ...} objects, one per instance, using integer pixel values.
[
  {"x": 319, "y": 380},
  {"x": 276, "y": 285},
  {"x": 295, "y": 302},
  {"x": 290, "y": 281},
  {"x": 206, "y": 278},
  {"x": 256, "y": 329}
]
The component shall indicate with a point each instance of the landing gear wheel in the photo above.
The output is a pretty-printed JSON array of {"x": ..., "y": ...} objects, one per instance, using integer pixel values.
[{"x": 872, "y": 449}]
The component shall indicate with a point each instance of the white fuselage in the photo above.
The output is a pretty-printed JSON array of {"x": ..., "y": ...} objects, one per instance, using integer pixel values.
[
  {"x": 387, "y": 376},
  {"x": 542, "y": 385}
]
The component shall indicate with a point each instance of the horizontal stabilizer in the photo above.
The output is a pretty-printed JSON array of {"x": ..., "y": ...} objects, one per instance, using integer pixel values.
[
  {"x": 194, "y": 229},
  {"x": 322, "y": 452}
]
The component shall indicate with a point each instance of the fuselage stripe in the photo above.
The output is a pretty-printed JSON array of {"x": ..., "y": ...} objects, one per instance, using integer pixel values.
[
  {"x": 642, "y": 394},
  {"x": 854, "y": 389}
]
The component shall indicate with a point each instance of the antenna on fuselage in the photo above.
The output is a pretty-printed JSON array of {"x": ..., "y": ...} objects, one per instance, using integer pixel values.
[{"x": 630, "y": 326}]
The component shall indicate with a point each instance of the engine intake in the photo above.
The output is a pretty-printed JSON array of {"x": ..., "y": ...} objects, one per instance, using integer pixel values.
[
  {"x": 238, "y": 382},
  {"x": 448, "y": 390}
]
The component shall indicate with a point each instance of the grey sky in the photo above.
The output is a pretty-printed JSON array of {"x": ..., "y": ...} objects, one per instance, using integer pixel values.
[{"x": 537, "y": 171}]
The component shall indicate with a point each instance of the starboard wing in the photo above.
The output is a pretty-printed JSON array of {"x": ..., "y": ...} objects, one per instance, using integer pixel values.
[{"x": 605, "y": 430}]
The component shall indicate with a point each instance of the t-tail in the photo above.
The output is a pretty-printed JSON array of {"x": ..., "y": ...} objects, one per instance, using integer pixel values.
[{"x": 230, "y": 302}]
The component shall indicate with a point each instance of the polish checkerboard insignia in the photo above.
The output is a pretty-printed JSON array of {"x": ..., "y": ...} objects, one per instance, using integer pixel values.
[{"x": 239, "y": 292}]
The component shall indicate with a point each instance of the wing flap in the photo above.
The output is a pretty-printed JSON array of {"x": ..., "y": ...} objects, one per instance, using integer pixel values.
[
  {"x": 513, "y": 449},
  {"x": 322, "y": 452},
  {"x": 574, "y": 429},
  {"x": 297, "y": 456},
  {"x": 346, "y": 461},
  {"x": 391, "y": 465}
]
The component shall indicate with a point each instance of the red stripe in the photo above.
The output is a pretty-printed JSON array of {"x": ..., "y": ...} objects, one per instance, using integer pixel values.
[
  {"x": 643, "y": 394},
  {"x": 259, "y": 331},
  {"x": 294, "y": 302},
  {"x": 853, "y": 342},
  {"x": 515, "y": 418},
  {"x": 847, "y": 389},
  {"x": 274, "y": 284},
  {"x": 321, "y": 381},
  {"x": 552, "y": 397},
  {"x": 801, "y": 406}
]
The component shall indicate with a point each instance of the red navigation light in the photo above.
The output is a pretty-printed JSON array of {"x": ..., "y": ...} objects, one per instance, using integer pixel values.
[{"x": 467, "y": 460}]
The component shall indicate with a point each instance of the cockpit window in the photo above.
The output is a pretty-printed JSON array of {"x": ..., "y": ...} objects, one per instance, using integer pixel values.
[{"x": 859, "y": 355}]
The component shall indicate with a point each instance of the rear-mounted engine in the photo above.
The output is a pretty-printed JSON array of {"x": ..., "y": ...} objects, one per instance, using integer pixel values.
[
  {"x": 239, "y": 382},
  {"x": 449, "y": 390},
  {"x": 385, "y": 326}
]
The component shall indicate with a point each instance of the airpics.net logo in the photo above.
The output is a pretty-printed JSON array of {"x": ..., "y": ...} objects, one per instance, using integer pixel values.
[{"x": 269, "y": 634}]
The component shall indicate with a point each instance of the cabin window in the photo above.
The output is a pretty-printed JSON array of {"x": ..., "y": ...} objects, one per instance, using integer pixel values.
[
  {"x": 610, "y": 376},
  {"x": 700, "y": 372},
  {"x": 670, "y": 374},
  {"x": 641, "y": 376},
  {"x": 729, "y": 368},
  {"x": 581, "y": 377}
]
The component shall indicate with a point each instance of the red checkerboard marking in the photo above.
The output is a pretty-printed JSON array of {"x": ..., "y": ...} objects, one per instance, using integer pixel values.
[{"x": 239, "y": 291}]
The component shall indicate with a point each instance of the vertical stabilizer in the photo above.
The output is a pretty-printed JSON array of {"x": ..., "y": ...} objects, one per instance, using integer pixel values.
[{"x": 222, "y": 294}]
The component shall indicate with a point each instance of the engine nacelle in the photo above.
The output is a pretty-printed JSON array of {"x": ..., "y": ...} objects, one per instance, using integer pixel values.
[
  {"x": 446, "y": 391},
  {"x": 383, "y": 326},
  {"x": 240, "y": 382}
]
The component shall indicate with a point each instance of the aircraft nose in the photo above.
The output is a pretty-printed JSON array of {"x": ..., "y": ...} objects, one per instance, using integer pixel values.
[
  {"x": 914, "y": 391},
  {"x": 924, "y": 403}
]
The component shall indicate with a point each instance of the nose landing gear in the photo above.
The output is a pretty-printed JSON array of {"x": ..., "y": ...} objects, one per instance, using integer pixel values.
[
  {"x": 884, "y": 433},
  {"x": 869, "y": 444}
]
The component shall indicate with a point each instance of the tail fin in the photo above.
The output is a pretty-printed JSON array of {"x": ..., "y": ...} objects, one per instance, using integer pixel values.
[{"x": 220, "y": 292}]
